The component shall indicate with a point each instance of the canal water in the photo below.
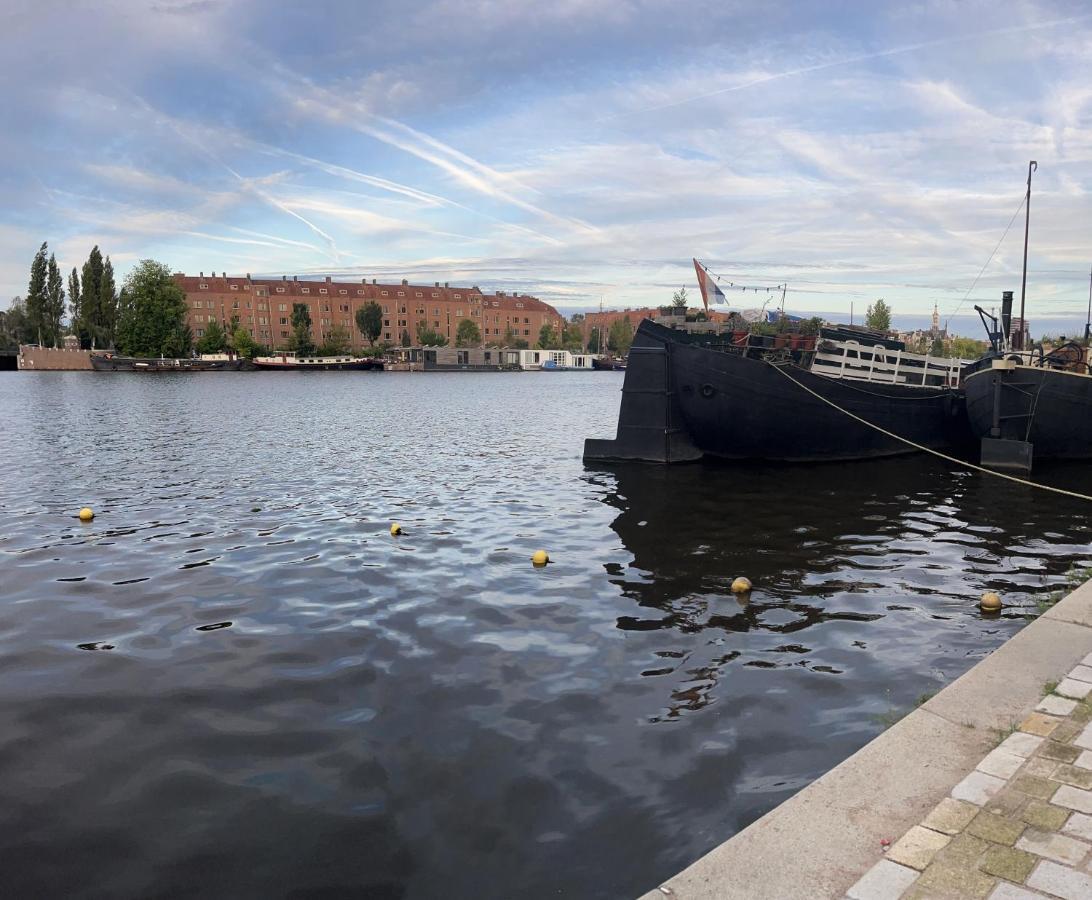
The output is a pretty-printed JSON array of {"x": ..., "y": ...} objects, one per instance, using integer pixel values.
[{"x": 235, "y": 682}]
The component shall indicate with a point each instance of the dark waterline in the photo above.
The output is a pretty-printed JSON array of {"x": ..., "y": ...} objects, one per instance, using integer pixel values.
[{"x": 234, "y": 682}]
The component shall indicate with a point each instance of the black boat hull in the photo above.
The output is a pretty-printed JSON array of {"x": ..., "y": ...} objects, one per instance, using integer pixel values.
[
  {"x": 110, "y": 363},
  {"x": 685, "y": 400},
  {"x": 1048, "y": 408}
]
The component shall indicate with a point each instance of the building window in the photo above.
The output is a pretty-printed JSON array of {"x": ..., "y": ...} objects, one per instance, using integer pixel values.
[
  {"x": 235, "y": 304},
  {"x": 262, "y": 320},
  {"x": 344, "y": 307},
  {"x": 419, "y": 311},
  {"x": 519, "y": 306},
  {"x": 211, "y": 304},
  {"x": 419, "y": 294},
  {"x": 322, "y": 290},
  {"x": 386, "y": 323},
  {"x": 305, "y": 290},
  {"x": 458, "y": 296},
  {"x": 436, "y": 324},
  {"x": 203, "y": 287},
  {"x": 235, "y": 287},
  {"x": 284, "y": 333},
  {"x": 261, "y": 306},
  {"x": 280, "y": 290},
  {"x": 284, "y": 321},
  {"x": 496, "y": 303},
  {"x": 200, "y": 331},
  {"x": 342, "y": 291},
  {"x": 360, "y": 292},
  {"x": 386, "y": 335},
  {"x": 384, "y": 293},
  {"x": 401, "y": 323},
  {"x": 401, "y": 293}
]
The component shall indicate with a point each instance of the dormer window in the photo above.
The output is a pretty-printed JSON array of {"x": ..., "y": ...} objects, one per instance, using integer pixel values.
[
  {"x": 435, "y": 293},
  {"x": 401, "y": 293},
  {"x": 280, "y": 290},
  {"x": 322, "y": 290},
  {"x": 384, "y": 293},
  {"x": 360, "y": 292},
  {"x": 419, "y": 294},
  {"x": 458, "y": 296},
  {"x": 342, "y": 291},
  {"x": 519, "y": 306},
  {"x": 235, "y": 287},
  {"x": 305, "y": 290},
  {"x": 203, "y": 286}
]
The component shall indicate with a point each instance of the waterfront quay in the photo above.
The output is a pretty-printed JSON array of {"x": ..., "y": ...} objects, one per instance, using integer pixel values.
[{"x": 984, "y": 791}]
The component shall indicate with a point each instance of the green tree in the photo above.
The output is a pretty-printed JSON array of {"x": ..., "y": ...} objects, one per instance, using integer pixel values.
[
  {"x": 98, "y": 301},
  {"x": 214, "y": 340},
  {"x": 54, "y": 302},
  {"x": 679, "y": 300},
  {"x": 107, "y": 305},
  {"x": 878, "y": 316},
  {"x": 620, "y": 336},
  {"x": 594, "y": 340},
  {"x": 14, "y": 326},
  {"x": 337, "y": 342},
  {"x": 426, "y": 337},
  {"x": 468, "y": 334},
  {"x": 74, "y": 306},
  {"x": 152, "y": 313},
  {"x": 243, "y": 343},
  {"x": 36, "y": 296},
  {"x": 520, "y": 344},
  {"x": 937, "y": 349},
  {"x": 405, "y": 338},
  {"x": 509, "y": 336},
  {"x": 547, "y": 337},
  {"x": 967, "y": 348},
  {"x": 572, "y": 338},
  {"x": 300, "y": 342},
  {"x": 369, "y": 320}
]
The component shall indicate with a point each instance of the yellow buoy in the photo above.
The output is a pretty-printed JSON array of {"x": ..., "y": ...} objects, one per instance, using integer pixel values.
[
  {"x": 990, "y": 602},
  {"x": 396, "y": 529},
  {"x": 741, "y": 585},
  {"x": 87, "y": 514},
  {"x": 540, "y": 558}
]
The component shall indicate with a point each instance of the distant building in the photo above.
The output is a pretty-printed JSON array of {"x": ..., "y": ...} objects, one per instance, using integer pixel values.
[
  {"x": 264, "y": 308},
  {"x": 921, "y": 339},
  {"x": 603, "y": 320}
]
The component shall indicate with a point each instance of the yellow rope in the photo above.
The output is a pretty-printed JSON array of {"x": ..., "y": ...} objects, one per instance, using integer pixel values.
[{"x": 923, "y": 448}]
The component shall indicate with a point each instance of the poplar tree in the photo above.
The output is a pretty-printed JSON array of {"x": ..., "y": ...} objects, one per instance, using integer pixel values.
[
  {"x": 108, "y": 304},
  {"x": 36, "y": 294},
  {"x": 54, "y": 307},
  {"x": 75, "y": 306}
]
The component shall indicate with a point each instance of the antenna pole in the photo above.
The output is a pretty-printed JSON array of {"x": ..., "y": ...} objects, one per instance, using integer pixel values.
[{"x": 1032, "y": 166}]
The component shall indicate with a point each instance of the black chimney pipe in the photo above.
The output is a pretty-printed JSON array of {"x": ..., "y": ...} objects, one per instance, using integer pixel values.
[{"x": 1006, "y": 314}]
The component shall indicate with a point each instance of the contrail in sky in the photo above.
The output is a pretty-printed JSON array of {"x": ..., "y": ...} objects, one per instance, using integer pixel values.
[{"x": 850, "y": 60}]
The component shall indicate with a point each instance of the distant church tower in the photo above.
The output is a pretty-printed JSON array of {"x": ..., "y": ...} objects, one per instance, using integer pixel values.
[{"x": 936, "y": 321}]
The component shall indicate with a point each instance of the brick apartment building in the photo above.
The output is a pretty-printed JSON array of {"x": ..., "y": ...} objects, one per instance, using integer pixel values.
[{"x": 264, "y": 308}]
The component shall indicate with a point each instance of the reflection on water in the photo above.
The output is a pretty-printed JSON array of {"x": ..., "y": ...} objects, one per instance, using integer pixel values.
[{"x": 285, "y": 699}]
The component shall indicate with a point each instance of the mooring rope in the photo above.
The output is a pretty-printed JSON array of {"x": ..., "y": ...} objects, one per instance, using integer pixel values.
[{"x": 924, "y": 449}]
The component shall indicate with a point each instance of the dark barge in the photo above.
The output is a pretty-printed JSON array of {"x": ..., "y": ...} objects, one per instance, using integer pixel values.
[{"x": 687, "y": 396}]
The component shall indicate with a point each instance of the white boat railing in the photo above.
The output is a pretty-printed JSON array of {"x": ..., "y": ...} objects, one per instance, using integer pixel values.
[{"x": 879, "y": 364}]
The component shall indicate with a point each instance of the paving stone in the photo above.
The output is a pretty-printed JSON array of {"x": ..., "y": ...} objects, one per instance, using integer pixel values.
[
  {"x": 1067, "y": 731},
  {"x": 1082, "y": 713},
  {"x": 1000, "y": 763},
  {"x": 1056, "y": 706},
  {"x": 1006, "y": 891},
  {"x": 1081, "y": 673},
  {"x": 1043, "y": 788},
  {"x": 1007, "y": 862},
  {"x": 950, "y": 883},
  {"x": 1044, "y": 816},
  {"x": 1060, "y": 881},
  {"x": 1044, "y": 768},
  {"x": 999, "y": 829},
  {"x": 1084, "y": 760},
  {"x": 1070, "y": 688},
  {"x": 1057, "y": 847},
  {"x": 1058, "y": 751},
  {"x": 917, "y": 847},
  {"x": 950, "y": 816},
  {"x": 1073, "y": 798},
  {"x": 1022, "y": 744},
  {"x": 1038, "y": 723},
  {"x": 1081, "y": 778},
  {"x": 884, "y": 881},
  {"x": 1079, "y": 825},
  {"x": 977, "y": 788},
  {"x": 963, "y": 852},
  {"x": 1087, "y": 661},
  {"x": 1007, "y": 802},
  {"x": 1084, "y": 739}
]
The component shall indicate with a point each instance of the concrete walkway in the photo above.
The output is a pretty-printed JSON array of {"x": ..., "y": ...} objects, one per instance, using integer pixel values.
[{"x": 826, "y": 841}]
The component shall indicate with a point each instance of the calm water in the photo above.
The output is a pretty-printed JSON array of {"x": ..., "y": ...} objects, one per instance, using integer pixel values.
[{"x": 234, "y": 682}]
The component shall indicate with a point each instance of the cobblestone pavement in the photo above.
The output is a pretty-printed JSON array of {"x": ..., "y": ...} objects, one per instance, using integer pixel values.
[{"x": 1016, "y": 828}]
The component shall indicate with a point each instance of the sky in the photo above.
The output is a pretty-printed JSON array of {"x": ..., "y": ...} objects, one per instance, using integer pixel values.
[{"x": 580, "y": 150}]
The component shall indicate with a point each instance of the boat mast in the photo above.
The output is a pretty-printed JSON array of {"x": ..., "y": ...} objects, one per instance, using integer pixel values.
[
  {"x": 1032, "y": 166},
  {"x": 1088, "y": 321}
]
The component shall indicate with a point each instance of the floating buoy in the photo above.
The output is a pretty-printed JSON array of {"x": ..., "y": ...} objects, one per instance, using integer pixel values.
[
  {"x": 741, "y": 585},
  {"x": 396, "y": 529},
  {"x": 87, "y": 514},
  {"x": 990, "y": 602},
  {"x": 540, "y": 558}
]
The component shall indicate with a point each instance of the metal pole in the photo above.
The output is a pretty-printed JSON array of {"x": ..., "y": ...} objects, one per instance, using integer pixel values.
[{"x": 1032, "y": 166}]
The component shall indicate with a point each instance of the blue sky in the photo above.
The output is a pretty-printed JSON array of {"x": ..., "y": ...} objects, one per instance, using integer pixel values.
[{"x": 579, "y": 150}]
